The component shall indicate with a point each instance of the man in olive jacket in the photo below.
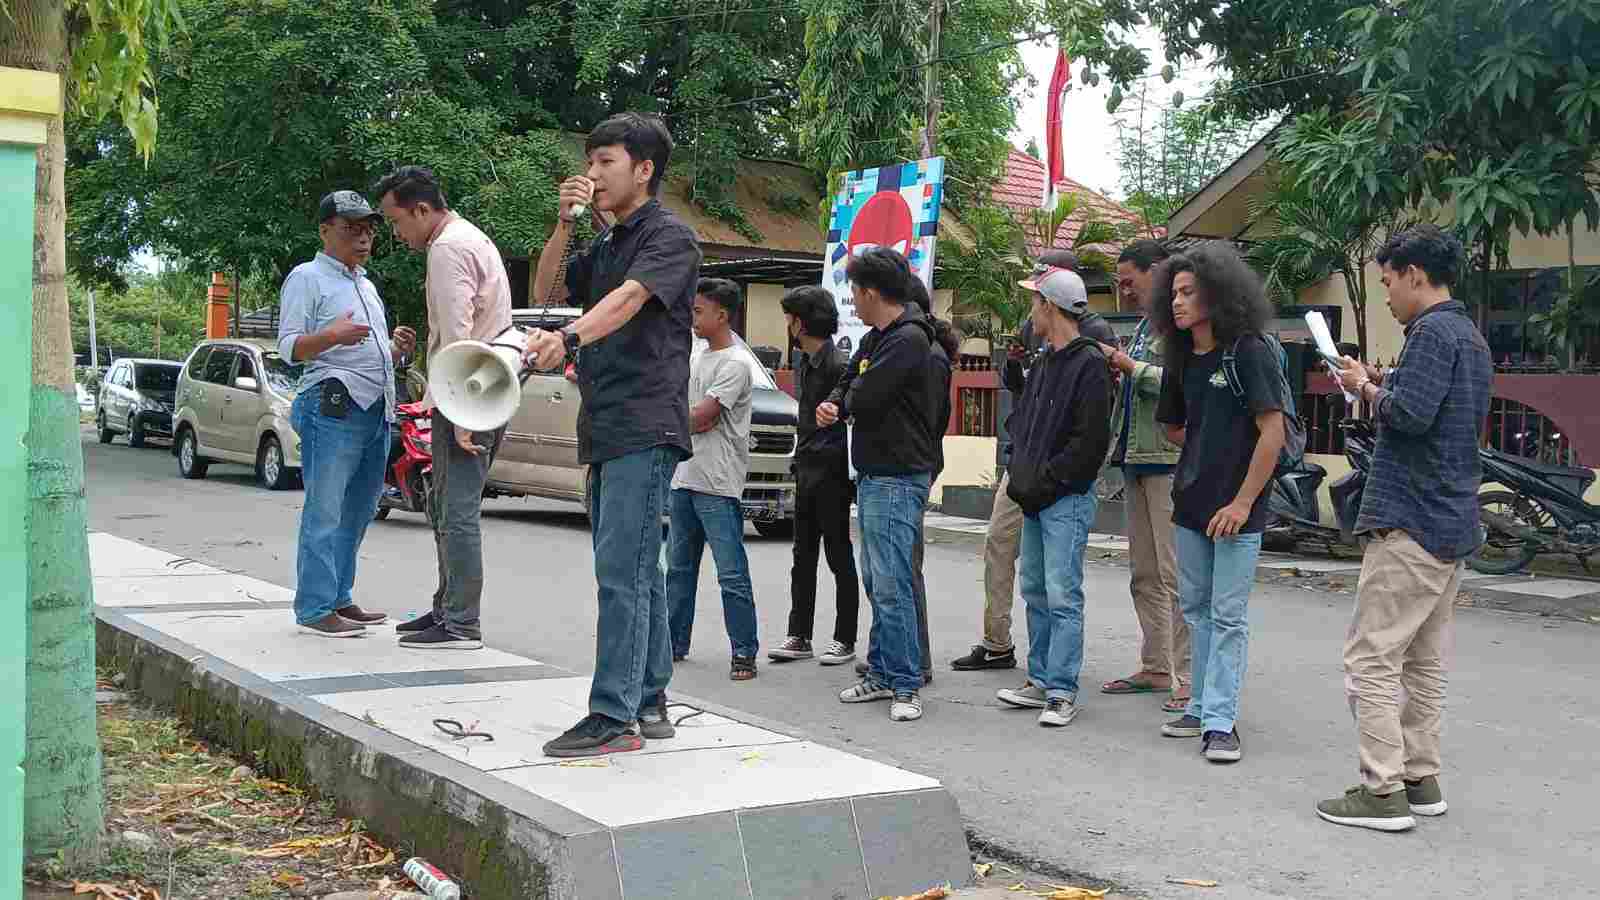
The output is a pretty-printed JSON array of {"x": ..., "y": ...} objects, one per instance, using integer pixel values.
[{"x": 1147, "y": 458}]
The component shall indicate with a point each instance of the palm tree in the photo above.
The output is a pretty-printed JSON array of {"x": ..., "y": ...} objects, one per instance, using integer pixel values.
[
  {"x": 1309, "y": 237},
  {"x": 1042, "y": 225}
]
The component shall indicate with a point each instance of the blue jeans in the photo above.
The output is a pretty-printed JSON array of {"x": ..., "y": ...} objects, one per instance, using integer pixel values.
[
  {"x": 342, "y": 462},
  {"x": 633, "y": 657},
  {"x": 1053, "y": 542},
  {"x": 1214, "y": 582},
  {"x": 699, "y": 519},
  {"x": 891, "y": 509}
]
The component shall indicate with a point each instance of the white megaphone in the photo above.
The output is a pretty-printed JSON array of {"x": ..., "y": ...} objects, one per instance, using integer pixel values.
[{"x": 478, "y": 386}]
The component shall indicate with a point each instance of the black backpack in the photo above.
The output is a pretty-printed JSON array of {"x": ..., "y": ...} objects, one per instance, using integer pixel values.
[{"x": 1294, "y": 432}]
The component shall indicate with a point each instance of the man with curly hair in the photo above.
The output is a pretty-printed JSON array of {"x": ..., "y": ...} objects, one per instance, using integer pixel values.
[
  {"x": 1419, "y": 514},
  {"x": 1223, "y": 396}
]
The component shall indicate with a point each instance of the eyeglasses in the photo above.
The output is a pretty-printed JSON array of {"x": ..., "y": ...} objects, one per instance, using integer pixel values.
[{"x": 355, "y": 230}]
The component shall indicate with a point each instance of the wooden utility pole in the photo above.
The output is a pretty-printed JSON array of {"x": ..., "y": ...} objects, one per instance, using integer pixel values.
[{"x": 931, "y": 82}]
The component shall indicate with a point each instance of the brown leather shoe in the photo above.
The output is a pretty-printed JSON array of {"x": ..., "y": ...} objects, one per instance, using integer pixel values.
[
  {"x": 333, "y": 626},
  {"x": 359, "y": 616}
]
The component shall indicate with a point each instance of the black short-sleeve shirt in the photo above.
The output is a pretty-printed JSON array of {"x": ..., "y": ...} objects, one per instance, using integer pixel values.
[
  {"x": 1220, "y": 428},
  {"x": 635, "y": 381}
]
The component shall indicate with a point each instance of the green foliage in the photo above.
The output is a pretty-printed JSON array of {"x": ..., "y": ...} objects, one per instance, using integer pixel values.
[
  {"x": 1168, "y": 154},
  {"x": 155, "y": 316},
  {"x": 111, "y": 68},
  {"x": 1308, "y": 234},
  {"x": 984, "y": 276},
  {"x": 1573, "y": 322}
]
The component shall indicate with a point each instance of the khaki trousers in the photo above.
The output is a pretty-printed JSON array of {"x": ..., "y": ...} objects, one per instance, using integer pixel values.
[
  {"x": 1000, "y": 548},
  {"x": 1399, "y": 638},
  {"x": 1166, "y": 647}
]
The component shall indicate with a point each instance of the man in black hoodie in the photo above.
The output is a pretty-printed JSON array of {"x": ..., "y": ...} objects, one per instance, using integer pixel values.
[
  {"x": 895, "y": 399},
  {"x": 1061, "y": 430}
]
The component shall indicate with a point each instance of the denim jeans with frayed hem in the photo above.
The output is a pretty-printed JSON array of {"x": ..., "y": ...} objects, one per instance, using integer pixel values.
[
  {"x": 633, "y": 655},
  {"x": 891, "y": 510},
  {"x": 341, "y": 462},
  {"x": 1053, "y": 542},
  {"x": 697, "y": 520},
  {"x": 1214, "y": 583}
]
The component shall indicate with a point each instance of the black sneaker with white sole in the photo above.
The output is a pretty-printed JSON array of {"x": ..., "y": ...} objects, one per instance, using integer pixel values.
[
  {"x": 420, "y": 623},
  {"x": 791, "y": 649},
  {"x": 595, "y": 735},
  {"x": 982, "y": 657},
  {"x": 437, "y": 638},
  {"x": 332, "y": 626}
]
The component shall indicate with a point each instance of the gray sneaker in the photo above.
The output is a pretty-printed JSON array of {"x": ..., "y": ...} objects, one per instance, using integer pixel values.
[
  {"x": 1185, "y": 727},
  {"x": 837, "y": 654},
  {"x": 1223, "y": 747},
  {"x": 653, "y": 722},
  {"x": 1029, "y": 696},
  {"x": 1360, "y": 808},
  {"x": 1058, "y": 712},
  {"x": 793, "y": 648},
  {"x": 865, "y": 691},
  {"x": 1425, "y": 798}
]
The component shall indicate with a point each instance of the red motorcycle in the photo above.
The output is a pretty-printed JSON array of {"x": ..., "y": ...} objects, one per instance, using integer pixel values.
[{"x": 408, "y": 477}]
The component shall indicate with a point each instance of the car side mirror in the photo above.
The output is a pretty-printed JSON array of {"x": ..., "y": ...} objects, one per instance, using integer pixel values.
[{"x": 245, "y": 383}]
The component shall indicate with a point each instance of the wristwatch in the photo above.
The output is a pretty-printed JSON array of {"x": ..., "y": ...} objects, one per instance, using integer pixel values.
[{"x": 569, "y": 339}]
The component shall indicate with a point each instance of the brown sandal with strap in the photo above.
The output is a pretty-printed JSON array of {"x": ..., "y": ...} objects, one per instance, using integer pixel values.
[{"x": 744, "y": 668}]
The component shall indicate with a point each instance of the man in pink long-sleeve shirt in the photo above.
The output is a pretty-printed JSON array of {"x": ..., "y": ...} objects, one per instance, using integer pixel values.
[{"x": 469, "y": 298}]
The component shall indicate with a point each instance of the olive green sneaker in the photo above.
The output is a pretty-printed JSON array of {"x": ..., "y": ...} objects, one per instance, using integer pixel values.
[
  {"x": 1425, "y": 798},
  {"x": 1361, "y": 808}
]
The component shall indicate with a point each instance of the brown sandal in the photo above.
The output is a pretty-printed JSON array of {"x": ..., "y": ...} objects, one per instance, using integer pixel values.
[{"x": 744, "y": 668}]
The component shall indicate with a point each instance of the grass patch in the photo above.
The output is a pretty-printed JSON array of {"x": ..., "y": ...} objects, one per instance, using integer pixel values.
[{"x": 210, "y": 829}]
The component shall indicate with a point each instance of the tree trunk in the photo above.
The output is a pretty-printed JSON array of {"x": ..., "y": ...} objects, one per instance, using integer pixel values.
[
  {"x": 1569, "y": 349},
  {"x": 62, "y": 806},
  {"x": 1355, "y": 287}
]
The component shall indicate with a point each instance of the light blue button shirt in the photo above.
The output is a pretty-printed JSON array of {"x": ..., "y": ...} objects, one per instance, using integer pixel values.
[{"x": 314, "y": 295}]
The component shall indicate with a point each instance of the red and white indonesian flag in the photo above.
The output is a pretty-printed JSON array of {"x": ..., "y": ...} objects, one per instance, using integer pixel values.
[{"x": 1060, "y": 83}]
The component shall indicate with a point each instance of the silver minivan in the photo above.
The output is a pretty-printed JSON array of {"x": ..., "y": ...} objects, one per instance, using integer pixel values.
[
  {"x": 233, "y": 403},
  {"x": 539, "y": 455},
  {"x": 136, "y": 400}
]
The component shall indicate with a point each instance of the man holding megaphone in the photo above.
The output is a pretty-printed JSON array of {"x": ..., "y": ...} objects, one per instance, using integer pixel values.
[
  {"x": 469, "y": 299},
  {"x": 636, "y": 283}
]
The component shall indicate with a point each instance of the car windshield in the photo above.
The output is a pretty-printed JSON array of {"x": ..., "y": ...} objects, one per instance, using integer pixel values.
[
  {"x": 284, "y": 376},
  {"x": 156, "y": 378},
  {"x": 759, "y": 377}
]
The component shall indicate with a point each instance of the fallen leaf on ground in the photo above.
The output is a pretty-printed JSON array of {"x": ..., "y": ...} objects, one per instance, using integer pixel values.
[
  {"x": 585, "y": 764},
  {"x": 933, "y": 893},
  {"x": 388, "y": 860},
  {"x": 752, "y": 756},
  {"x": 1062, "y": 892},
  {"x": 982, "y": 869},
  {"x": 290, "y": 879},
  {"x": 1192, "y": 882}
]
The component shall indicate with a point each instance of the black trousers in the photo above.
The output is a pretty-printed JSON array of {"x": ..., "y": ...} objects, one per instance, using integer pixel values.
[{"x": 822, "y": 516}]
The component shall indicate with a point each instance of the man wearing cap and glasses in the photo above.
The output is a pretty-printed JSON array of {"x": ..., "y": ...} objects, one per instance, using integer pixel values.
[
  {"x": 1062, "y": 429},
  {"x": 332, "y": 321}
]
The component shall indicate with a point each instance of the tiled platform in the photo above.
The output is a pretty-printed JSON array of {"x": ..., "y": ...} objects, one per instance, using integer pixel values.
[{"x": 731, "y": 807}]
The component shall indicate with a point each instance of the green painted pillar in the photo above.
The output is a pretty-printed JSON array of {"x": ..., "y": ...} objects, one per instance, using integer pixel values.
[{"x": 28, "y": 101}]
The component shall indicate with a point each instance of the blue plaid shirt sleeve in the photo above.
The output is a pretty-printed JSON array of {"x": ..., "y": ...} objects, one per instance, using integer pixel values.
[{"x": 1417, "y": 390}]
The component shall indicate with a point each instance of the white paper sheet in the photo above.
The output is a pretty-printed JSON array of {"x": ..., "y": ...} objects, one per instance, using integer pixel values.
[{"x": 1324, "y": 339}]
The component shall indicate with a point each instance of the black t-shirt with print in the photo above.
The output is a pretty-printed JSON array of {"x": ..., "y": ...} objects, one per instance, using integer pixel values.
[{"x": 1221, "y": 430}]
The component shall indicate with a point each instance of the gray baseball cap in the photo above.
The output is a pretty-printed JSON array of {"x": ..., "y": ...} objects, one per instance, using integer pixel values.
[
  {"x": 1063, "y": 288},
  {"x": 346, "y": 205}
]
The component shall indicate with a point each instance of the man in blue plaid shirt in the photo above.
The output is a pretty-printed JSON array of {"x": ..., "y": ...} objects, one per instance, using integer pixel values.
[{"x": 1419, "y": 514}]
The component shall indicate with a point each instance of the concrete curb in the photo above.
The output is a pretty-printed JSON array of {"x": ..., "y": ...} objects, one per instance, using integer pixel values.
[
  {"x": 508, "y": 843},
  {"x": 501, "y": 839}
]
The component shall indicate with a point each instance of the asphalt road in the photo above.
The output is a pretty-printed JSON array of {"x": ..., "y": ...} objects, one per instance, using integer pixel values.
[{"x": 1106, "y": 796}]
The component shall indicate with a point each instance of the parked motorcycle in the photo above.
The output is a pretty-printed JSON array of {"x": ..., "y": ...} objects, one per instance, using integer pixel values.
[
  {"x": 408, "y": 476},
  {"x": 1543, "y": 512},
  {"x": 1295, "y": 516}
]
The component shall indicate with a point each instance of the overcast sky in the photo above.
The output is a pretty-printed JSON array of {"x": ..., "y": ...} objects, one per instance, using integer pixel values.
[{"x": 1089, "y": 133}]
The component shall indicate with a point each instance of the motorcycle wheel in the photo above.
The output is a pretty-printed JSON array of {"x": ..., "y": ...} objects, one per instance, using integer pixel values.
[{"x": 1501, "y": 553}]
